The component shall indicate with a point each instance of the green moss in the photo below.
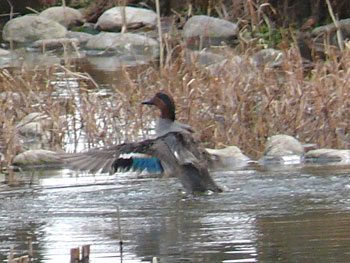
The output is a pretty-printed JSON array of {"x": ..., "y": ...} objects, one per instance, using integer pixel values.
[{"x": 271, "y": 37}]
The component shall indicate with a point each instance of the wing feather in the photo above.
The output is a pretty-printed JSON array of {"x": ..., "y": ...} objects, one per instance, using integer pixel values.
[{"x": 177, "y": 152}]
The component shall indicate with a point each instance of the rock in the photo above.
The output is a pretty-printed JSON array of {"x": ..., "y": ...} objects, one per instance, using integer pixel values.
[
  {"x": 283, "y": 149},
  {"x": 328, "y": 155},
  {"x": 327, "y": 33},
  {"x": 268, "y": 57},
  {"x": 29, "y": 28},
  {"x": 32, "y": 123},
  {"x": 36, "y": 157},
  {"x": 57, "y": 43},
  {"x": 66, "y": 16},
  {"x": 124, "y": 43},
  {"x": 115, "y": 63},
  {"x": 330, "y": 30},
  {"x": 228, "y": 157},
  {"x": 112, "y": 19},
  {"x": 81, "y": 36},
  {"x": 33, "y": 130},
  {"x": 203, "y": 31},
  {"x": 4, "y": 52},
  {"x": 203, "y": 58},
  {"x": 198, "y": 26},
  {"x": 279, "y": 145}
]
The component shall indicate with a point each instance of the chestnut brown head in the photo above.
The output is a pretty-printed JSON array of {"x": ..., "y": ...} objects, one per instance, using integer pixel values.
[{"x": 165, "y": 103}]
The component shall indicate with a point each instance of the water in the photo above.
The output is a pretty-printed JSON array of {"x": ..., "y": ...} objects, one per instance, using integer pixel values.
[
  {"x": 286, "y": 214},
  {"x": 274, "y": 214}
]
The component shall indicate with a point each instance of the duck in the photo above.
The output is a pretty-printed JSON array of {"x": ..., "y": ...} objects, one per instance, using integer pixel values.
[
  {"x": 173, "y": 152},
  {"x": 167, "y": 120}
]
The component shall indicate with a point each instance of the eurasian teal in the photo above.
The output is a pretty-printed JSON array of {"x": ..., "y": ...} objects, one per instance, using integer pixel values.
[
  {"x": 166, "y": 122},
  {"x": 173, "y": 152}
]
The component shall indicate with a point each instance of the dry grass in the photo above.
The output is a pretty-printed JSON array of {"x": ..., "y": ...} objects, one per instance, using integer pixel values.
[
  {"x": 243, "y": 105},
  {"x": 239, "y": 104}
]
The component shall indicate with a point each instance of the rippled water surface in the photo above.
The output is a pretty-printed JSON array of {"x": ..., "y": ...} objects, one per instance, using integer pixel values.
[{"x": 286, "y": 214}]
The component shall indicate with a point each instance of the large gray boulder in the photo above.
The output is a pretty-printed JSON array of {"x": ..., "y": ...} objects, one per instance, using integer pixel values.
[
  {"x": 283, "y": 149},
  {"x": 33, "y": 124},
  {"x": 81, "y": 36},
  {"x": 330, "y": 29},
  {"x": 280, "y": 145},
  {"x": 112, "y": 19},
  {"x": 124, "y": 42},
  {"x": 29, "y": 28},
  {"x": 206, "y": 31},
  {"x": 37, "y": 157},
  {"x": 64, "y": 15},
  {"x": 33, "y": 130},
  {"x": 328, "y": 33},
  {"x": 228, "y": 157}
]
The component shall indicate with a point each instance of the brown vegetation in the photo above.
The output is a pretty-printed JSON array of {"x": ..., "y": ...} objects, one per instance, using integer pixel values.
[
  {"x": 239, "y": 104},
  {"x": 234, "y": 103},
  {"x": 243, "y": 105}
]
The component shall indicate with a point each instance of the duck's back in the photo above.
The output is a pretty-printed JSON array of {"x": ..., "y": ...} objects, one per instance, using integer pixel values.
[
  {"x": 164, "y": 126},
  {"x": 182, "y": 157}
]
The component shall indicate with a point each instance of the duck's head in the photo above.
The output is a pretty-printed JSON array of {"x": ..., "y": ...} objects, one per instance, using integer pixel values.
[{"x": 165, "y": 103}]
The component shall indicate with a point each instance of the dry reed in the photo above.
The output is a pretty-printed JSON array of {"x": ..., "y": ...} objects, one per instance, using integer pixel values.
[
  {"x": 239, "y": 104},
  {"x": 233, "y": 103}
]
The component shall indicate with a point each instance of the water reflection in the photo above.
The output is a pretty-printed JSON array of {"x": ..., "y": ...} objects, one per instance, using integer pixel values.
[
  {"x": 104, "y": 69},
  {"x": 114, "y": 63},
  {"x": 318, "y": 236},
  {"x": 263, "y": 216}
]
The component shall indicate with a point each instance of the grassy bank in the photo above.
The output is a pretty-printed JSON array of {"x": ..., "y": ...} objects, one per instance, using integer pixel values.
[
  {"x": 244, "y": 105},
  {"x": 233, "y": 104}
]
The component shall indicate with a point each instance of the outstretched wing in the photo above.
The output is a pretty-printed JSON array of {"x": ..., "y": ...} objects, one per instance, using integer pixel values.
[
  {"x": 107, "y": 159},
  {"x": 176, "y": 153}
]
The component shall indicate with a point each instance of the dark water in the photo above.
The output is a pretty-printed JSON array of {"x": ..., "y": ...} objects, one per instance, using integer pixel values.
[{"x": 288, "y": 214}]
